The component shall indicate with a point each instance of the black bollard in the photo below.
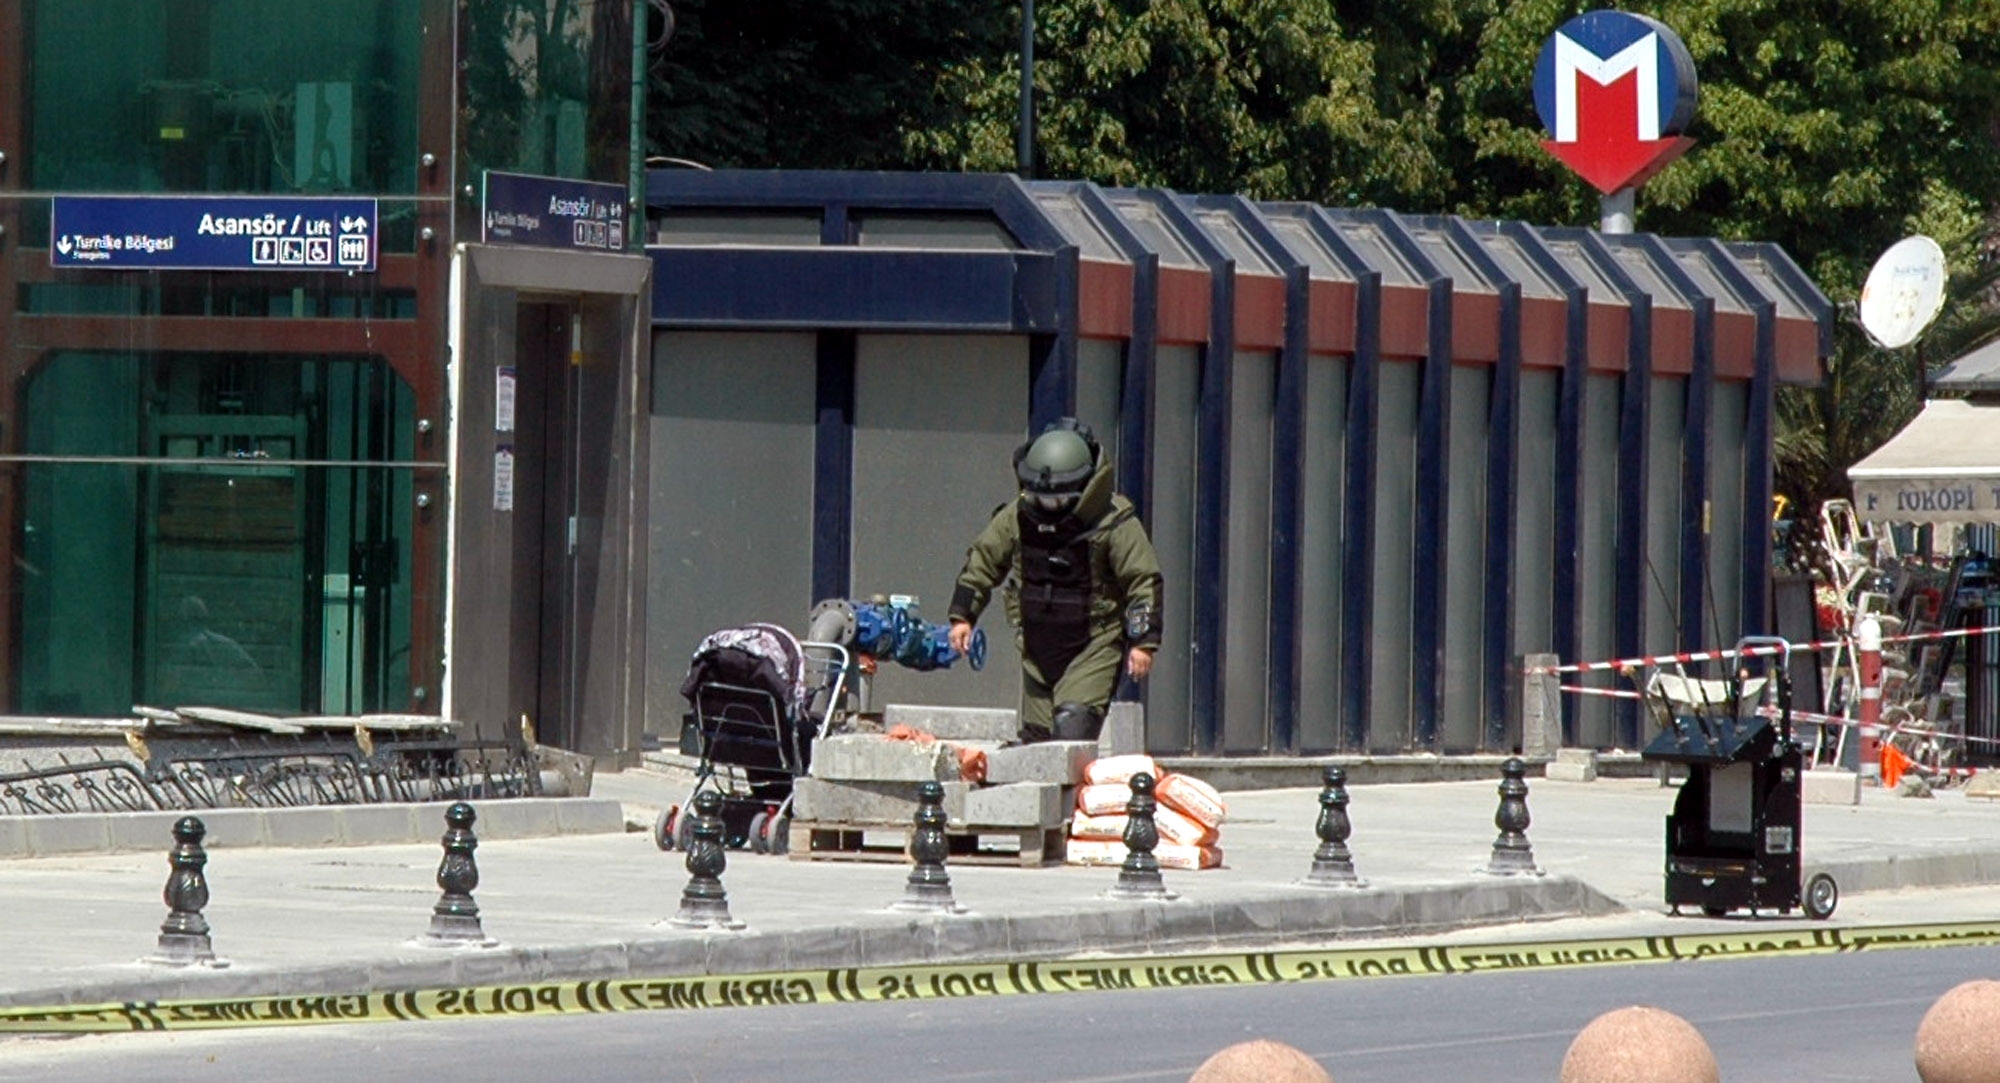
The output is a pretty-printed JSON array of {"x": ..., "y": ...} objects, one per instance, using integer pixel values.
[
  {"x": 929, "y": 888},
  {"x": 455, "y": 918},
  {"x": 704, "y": 904},
  {"x": 1333, "y": 865},
  {"x": 1139, "y": 877},
  {"x": 1511, "y": 852},
  {"x": 184, "y": 935}
]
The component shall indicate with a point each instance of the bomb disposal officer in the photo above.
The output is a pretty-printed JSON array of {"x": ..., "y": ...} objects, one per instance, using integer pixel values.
[{"x": 1082, "y": 584}]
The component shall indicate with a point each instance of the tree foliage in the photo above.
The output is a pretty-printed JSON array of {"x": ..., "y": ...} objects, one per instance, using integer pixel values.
[{"x": 1831, "y": 127}]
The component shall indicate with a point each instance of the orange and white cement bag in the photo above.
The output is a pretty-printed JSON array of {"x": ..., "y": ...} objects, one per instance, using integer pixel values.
[
  {"x": 1103, "y": 799},
  {"x": 1194, "y": 798},
  {"x": 1120, "y": 768},
  {"x": 1085, "y": 826},
  {"x": 1169, "y": 855},
  {"x": 1180, "y": 830}
]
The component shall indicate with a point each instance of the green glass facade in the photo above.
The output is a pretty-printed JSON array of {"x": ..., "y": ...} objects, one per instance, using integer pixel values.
[{"x": 226, "y": 488}]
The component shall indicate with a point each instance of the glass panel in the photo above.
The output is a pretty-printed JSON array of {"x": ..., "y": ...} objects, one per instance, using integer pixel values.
[
  {"x": 547, "y": 87},
  {"x": 223, "y": 95},
  {"x": 257, "y": 562}
]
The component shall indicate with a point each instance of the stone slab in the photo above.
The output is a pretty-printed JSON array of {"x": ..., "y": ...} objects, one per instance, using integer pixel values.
[
  {"x": 1830, "y": 786},
  {"x": 1572, "y": 765},
  {"x": 1985, "y": 784},
  {"x": 829, "y": 801},
  {"x": 1124, "y": 732},
  {"x": 955, "y": 723},
  {"x": 871, "y": 757},
  {"x": 1059, "y": 762},
  {"x": 1018, "y": 804}
]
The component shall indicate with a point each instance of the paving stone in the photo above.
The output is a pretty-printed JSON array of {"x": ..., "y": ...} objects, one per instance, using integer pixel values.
[
  {"x": 1059, "y": 762},
  {"x": 1572, "y": 765},
  {"x": 507, "y": 818},
  {"x": 1124, "y": 731},
  {"x": 1830, "y": 786},
  {"x": 828, "y": 801},
  {"x": 1017, "y": 804},
  {"x": 589, "y": 815},
  {"x": 955, "y": 723},
  {"x": 870, "y": 757},
  {"x": 142, "y": 832},
  {"x": 308, "y": 827},
  {"x": 70, "y": 835}
]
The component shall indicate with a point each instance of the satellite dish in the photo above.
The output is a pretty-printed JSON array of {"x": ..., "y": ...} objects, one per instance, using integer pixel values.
[{"x": 1904, "y": 292}]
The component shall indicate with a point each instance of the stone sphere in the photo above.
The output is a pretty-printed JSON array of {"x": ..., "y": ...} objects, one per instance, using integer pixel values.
[
  {"x": 1639, "y": 1045},
  {"x": 1959, "y": 1039},
  {"x": 1260, "y": 1060}
]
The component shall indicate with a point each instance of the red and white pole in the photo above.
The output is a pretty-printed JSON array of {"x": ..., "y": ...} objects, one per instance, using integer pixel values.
[{"x": 1868, "y": 648}]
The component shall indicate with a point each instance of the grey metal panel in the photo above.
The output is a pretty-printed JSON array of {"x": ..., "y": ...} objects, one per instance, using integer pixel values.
[
  {"x": 732, "y": 495},
  {"x": 1573, "y": 260},
  {"x": 1727, "y": 515},
  {"x": 1321, "y": 575},
  {"x": 1507, "y": 253},
  {"x": 1367, "y": 240},
  {"x": 769, "y": 229},
  {"x": 932, "y": 459},
  {"x": 1638, "y": 263},
  {"x": 1597, "y": 585},
  {"x": 1160, "y": 237},
  {"x": 1299, "y": 240},
  {"x": 1077, "y": 224},
  {"x": 1463, "y": 724},
  {"x": 968, "y": 231},
  {"x": 1100, "y": 379},
  {"x": 1395, "y": 577},
  {"x": 1666, "y": 445},
  {"x": 1176, "y": 389},
  {"x": 1534, "y": 526},
  {"x": 1246, "y": 691},
  {"x": 1449, "y": 260},
  {"x": 1696, "y": 262},
  {"x": 1224, "y": 230}
]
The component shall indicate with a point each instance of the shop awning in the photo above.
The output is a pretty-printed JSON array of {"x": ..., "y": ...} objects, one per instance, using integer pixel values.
[{"x": 1944, "y": 467}]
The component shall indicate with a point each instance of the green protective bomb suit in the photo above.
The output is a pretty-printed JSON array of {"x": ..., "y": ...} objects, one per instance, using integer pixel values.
[{"x": 1081, "y": 581}]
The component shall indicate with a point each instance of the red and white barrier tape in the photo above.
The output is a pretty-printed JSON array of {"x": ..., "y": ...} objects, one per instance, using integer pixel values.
[
  {"x": 1752, "y": 652},
  {"x": 1797, "y": 715}
]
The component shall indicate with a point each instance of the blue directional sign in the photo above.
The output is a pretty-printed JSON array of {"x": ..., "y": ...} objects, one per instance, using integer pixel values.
[
  {"x": 213, "y": 233},
  {"x": 551, "y": 212}
]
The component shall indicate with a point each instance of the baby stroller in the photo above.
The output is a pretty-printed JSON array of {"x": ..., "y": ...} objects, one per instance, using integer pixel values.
[{"x": 751, "y": 722}]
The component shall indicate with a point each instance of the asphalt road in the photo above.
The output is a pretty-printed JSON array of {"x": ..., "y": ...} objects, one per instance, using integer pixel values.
[{"x": 1826, "y": 1018}]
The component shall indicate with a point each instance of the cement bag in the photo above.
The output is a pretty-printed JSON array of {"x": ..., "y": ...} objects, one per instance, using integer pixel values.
[
  {"x": 1104, "y": 799},
  {"x": 1179, "y": 830},
  {"x": 1169, "y": 855},
  {"x": 1120, "y": 769},
  {"x": 1085, "y": 826},
  {"x": 1193, "y": 798}
]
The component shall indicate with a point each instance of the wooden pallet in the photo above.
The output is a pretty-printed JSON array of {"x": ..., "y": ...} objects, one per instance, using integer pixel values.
[{"x": 1027, "y": 847}]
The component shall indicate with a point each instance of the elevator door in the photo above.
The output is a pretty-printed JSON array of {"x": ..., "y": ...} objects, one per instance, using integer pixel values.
[{"x": 554, "y": 435}]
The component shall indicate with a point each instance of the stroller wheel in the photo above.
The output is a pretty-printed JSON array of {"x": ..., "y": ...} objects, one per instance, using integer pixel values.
[
  {"x": 684, "y": 832},
  {"x": 663, "y": 828},
  {"x": 780, "y": 831},
  {"x": 759, "y": 842}
]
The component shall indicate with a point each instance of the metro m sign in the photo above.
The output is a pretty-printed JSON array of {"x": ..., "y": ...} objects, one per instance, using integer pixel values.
[{"x": 1615, "y": 90}]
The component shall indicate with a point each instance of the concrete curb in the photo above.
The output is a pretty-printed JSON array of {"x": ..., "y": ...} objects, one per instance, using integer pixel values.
[
  {"x": 70, "y": 834},
  {"x": 1287, "y": 914}
]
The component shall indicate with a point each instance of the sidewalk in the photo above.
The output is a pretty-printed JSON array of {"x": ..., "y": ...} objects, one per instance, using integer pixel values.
[{"x": 588, "y": 906}]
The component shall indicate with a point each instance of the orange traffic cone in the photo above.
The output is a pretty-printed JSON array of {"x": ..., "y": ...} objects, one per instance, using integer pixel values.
[{"x": 1894, "y": 763}]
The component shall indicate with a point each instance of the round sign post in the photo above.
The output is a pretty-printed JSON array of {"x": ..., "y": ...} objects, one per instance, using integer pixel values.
[{"x": 1615, "y": 91}]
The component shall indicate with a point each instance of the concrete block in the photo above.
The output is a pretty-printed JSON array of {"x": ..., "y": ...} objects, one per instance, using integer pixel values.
[
  {"x": 1985, "y": 784},
  {"x": 1830, "y": 786},
  {"x": 588, "y": 815},
  {"x": 871, "y": 757},
  {"x": 301, "y": 827},
  {"x": 1124, "y": 731},
  {"x": 13, "y": 836},
  {"x": 375, "y": 825},
  {"x": 1059, "y": 762},
  {"x": 869, "y": 802},
  {"x": 955, "y": 723},
  {"x": 1541, "y": 709},
  {"x": 143, "y": 832},
  {"x": 1018, "y": 804},
  {"x": 231, "y": 826},
  {"x": 71, "y": 835},
  {"x": 508, "y": 818},
  {"x": 1573, "y": 765}
]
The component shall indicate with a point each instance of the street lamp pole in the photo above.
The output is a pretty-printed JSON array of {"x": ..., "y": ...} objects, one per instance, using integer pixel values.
[{"x": 1024, "y": 147}]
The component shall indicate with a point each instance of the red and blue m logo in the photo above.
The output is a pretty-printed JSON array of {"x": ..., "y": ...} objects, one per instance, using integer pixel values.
[{"x": 1615, "y": 90}]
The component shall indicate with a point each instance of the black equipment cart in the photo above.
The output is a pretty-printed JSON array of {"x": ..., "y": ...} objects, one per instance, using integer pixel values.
[{"x": 1733, "y": 837}]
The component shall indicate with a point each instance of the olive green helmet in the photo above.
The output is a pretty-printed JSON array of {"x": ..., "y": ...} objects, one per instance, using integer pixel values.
[{"x": 1058, "y": 462}]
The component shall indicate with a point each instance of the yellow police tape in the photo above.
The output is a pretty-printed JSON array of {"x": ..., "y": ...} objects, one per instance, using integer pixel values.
[{"x": 953, "y": 981}]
